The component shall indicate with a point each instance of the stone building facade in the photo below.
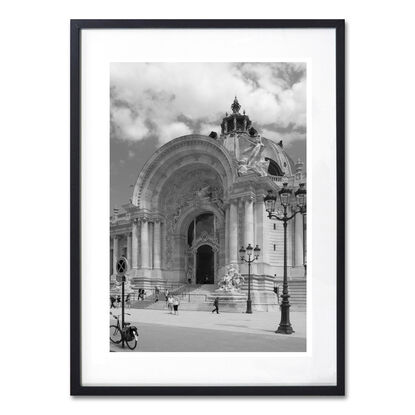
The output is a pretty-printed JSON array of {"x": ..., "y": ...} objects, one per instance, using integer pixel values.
[{"x": 198, "y": 199}]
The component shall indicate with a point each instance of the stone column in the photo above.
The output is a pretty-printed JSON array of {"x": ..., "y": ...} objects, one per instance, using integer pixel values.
[
  {"x": 298, "y": 239},
  {"x": 144, "y": 244},
  {"x": 227, "y": 235},
  {"x": 261, "y": 234},
  {"x": 157, "y": 241},
  {"x": 114, "y": 255},
  {"x": 249, "y": 222},
  {"x": 233, "y": 232},
  {"x": 150, "y": 244},
  {"x": 129, "y": 248},
  {"x": 134, "y": 244}
]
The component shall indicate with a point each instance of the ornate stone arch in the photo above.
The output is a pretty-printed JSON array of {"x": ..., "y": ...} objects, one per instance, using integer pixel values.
[
  {"x": 180, "y": 152},
  {"x": 191, "y": 212},
  {"x": 205, "y": 239}
]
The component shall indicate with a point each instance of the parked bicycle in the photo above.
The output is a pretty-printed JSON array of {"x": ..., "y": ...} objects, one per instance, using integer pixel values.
[{"x": 129, "y": 333}]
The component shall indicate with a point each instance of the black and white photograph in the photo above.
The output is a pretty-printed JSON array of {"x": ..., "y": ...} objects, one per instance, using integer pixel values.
[
  {"x": 210, "y": 227},
  {"x": 208, "y": 207},
  {"x": 201, "y": 201}
]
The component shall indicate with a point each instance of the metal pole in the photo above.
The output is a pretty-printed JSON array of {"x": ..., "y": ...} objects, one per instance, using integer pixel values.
[
  {"x": 285, "y": 325},
  {"x": 122, "y": 312},
  {"x": 249, "y": 303}
]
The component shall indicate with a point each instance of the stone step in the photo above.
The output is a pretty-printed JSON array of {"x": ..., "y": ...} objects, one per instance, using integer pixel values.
[{"x": 201, "y": 297}]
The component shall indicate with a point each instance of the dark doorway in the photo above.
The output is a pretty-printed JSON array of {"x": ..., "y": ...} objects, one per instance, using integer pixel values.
[{"x": 205, "y": 265}]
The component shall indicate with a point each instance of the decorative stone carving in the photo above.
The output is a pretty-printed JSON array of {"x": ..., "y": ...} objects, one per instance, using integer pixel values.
[
  {"x": 189, "y": 273},
  {"x": 203, "y": 192},
  {"x": 190, "y": 188},
  {"x": 205, "y": 239},
  {"x": 254, "y": 162},
  {"x": 232, "y": 281}
]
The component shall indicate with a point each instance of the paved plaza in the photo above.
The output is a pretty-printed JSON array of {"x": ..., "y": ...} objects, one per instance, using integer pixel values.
[{"x": 198, "y": 331}]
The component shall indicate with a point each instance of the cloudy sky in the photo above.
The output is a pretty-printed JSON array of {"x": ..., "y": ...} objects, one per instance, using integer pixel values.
[{"x": 153, "y": 103}]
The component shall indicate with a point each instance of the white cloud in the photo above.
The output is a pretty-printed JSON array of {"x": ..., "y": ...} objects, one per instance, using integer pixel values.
[
  {"x": 173, "y": 130},
  {"x": 157, "y": 98},
  {"x": 287, "y": 138},
  {"x": 207, "y": 128},
  {"x": 131, "y": 127}
]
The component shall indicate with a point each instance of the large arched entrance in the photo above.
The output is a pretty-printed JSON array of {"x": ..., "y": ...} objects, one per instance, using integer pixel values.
[
  {"x": 202, "y": 249},
  {"x": 205, "y": 265}
]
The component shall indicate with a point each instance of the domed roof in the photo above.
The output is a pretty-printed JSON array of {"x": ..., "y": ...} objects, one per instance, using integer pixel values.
[
  {"x": 235, "y": 122},
  {"x": 238, "y": 126},
  {"x": 275, "y": 151}
]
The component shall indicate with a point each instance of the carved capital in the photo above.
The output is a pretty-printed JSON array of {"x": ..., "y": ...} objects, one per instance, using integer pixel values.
[
  {"x": 234, "y": 201},
  {"x": 249, "y": 199}
]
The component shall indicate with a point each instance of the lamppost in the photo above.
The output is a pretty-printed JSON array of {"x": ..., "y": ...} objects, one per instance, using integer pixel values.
[
  {"x": 270, "y": 201},
  {"x": 249, "y": 261}
]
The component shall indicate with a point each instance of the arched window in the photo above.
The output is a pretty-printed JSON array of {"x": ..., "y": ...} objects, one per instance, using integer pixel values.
[
  {"x": 203, "y": 223},
  {"x": 274, "y": 169}
]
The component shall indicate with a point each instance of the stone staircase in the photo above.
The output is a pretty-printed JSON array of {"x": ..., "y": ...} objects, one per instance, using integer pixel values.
[
  {"x": 297, "y": 289},
  {"x": 191, "y": 297},
  {"x": 200, "y": 298}
]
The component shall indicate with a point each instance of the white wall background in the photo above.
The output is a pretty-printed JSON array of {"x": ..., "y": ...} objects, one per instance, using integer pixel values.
[{"x": 34, "y": 100}]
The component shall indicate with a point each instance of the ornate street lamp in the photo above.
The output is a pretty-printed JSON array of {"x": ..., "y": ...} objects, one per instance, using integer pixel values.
[
  {"x": 300, "y": 194},
  {"x": 249, "y": 261},
  {"x": 270, "y": 202}
]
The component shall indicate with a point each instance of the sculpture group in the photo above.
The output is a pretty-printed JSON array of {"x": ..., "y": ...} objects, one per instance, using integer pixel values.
[
  {"x": 254, "y": 163},
  {"x": 232, "y": 281}
]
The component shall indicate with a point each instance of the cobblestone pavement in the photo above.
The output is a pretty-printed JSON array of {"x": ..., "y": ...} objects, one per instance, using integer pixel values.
[{"x": 199, "y": 331}]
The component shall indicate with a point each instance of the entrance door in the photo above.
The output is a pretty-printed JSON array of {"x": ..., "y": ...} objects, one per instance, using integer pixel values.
[{"x": 205, "y": 270}]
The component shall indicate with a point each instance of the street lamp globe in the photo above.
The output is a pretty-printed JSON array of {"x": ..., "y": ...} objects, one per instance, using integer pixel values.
[
  {"x": 300, "y": 196},
  {"x": 269, "y": 200},
  {"x": 285, "y": 194},
  {"x": 249, "y": 250},
  {"x": 242, "y": 253},
  {"x": 257, "y": 250}
]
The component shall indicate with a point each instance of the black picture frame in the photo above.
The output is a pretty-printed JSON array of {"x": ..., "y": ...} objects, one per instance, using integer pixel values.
[{"x": 76, "y": 27}]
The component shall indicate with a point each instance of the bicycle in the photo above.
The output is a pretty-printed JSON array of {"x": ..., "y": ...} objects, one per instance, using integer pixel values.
[{"x": 129, "y": 334}]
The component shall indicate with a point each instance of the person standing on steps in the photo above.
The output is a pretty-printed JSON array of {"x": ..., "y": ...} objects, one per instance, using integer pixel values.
[{"x": 216, "y": 304}]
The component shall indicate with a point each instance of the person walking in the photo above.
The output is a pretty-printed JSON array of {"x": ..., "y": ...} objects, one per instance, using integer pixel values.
[
  {"x": 170, "y": 304},
  {"x": 176, "y": 304},
  {"x": 216, "y": 304}
]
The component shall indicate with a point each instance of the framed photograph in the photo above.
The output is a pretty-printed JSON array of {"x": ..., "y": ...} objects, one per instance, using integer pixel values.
[{"x": 207, "y": 207}]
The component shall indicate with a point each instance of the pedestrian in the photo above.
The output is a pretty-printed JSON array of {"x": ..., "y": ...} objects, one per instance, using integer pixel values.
[
  {"x": 156, "y": 294},
  {"x": 176, "y": 304},
  {"x": 166, "y": 295},
  {"x": 216, "y": 304},
  {"x": 170, "y": 304}
]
